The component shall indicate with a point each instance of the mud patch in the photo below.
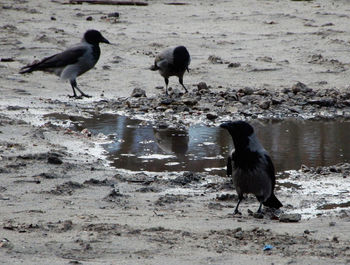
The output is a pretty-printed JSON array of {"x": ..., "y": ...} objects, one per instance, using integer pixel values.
[{"x": 67, "y": 188}]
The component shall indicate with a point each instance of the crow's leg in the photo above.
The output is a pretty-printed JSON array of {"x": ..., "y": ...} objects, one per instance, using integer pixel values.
[
  {"x": 182, "y": 83},
  {"x": 260, "y": 199},
  {"x": 240, "y": 198},
  {"x": 73, "y": 83},
  {"x": 166, "y": 85},
  {"x": 81, "y": 92}
]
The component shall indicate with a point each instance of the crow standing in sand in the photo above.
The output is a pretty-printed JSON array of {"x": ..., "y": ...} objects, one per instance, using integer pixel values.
[
  {"x": 250, "y": 166},
  {"x": 72, "y": 62},
  {"x": 172, "y": 61}
]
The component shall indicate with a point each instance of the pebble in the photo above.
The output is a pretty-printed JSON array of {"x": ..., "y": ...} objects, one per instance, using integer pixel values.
[
  {"x": 258, "y": 215},
  {"x": 233, "y": 65},
  {"x": 211, "y": 116},
  {"x": 290, "y": 218},
  {"x": 246, "y": 90},
  {"x": 300, "y": 87},
  {"x": 265, "y": 104},
  {"x": 54, "y": 160},
  {"x": 238, "y": 235},
  {"x": 202, "y": 86},
  {"x": 114, "y": 14},
  {"x": 138, "y": 92}
]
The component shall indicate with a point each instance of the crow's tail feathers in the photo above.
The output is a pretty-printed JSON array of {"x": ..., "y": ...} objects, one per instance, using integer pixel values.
[
  {"x": 273, "y": 202},
  {"x": 30, "y": 67},
  {"x": 26, "y": 69}
]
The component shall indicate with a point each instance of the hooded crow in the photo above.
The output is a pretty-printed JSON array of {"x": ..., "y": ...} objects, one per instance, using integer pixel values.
[
  {"x": 250, "y": 166},
  {"x": 73, "y": 62},
  {"x": 172, "y": 61}
]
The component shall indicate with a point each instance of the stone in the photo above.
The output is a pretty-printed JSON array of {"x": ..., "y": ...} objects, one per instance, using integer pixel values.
[
  {"x": 138, "y": 92},
  {"x": 53, "y": 159},
  {"x": 238, "y": 235},
  {"x": 211, "y": 116},
  {"x": 114, "y": 14},
  {"x": 300, "y": 87},
  {"x": 202, "y": 86},
  {"x": 233, "y": 65},
  {"x": 265, "y": 104},
  {"x": 258, "y": 215},
  {"x": 190, "y": 102},
  {"x": 290, "y": 218},
  {"x": 246, "y": 91}
]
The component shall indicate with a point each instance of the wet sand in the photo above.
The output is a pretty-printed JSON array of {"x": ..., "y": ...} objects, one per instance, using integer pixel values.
[{"x": 60, "y": 201}]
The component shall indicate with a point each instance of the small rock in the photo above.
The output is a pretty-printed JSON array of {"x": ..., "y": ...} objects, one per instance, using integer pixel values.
[
  {"x": 114, "y": 193},
  {"x": 290, "y": 218},
  {"x": 215, "y": 59},
  {"x": 187, "y": 177},
  {"x": 238, "y": 235},
  {"x": 202, "y": 86},
  {"x": 89, "y": 18},
  {"x": 246, "y": 91},
  {"x": 225, "y": 197},
  {"x": 305, "y": 168},
  {"x": 166, "y": 101},
  {"x": 300, "y": 87},
  {"x": 306, "y": 231},
  {"x": 258, "y": 215},
  {"x": 332, "y": 223},
  {"x": 86, "y": 132},
  {"x": 114, "y": 14},
  {"x": 285, "y": 90},
  {"x": 211, "y": 116},
  {"x": 52, "y": 159},
  {"x": 265, "y": 104},
  {"x": 138, "y": 92},
  {"x": 190, "y": 102},
  {"x": 233, "y": 65},
  {"x": 323, "y": 102}
]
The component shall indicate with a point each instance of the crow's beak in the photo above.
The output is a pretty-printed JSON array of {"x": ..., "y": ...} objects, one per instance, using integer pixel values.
[
  {"x": 224, "y": 125},
  {"x": 104, "y": 40},
  {"x": 154, "y": 67},
  {"x": 187, "y": 69}
]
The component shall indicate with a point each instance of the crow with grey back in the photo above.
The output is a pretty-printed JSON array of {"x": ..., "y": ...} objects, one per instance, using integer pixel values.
[
  {"x": 172, "y": 61},
  {"x": 250, "y": 166},
  {"x": 73, "y": 62}
]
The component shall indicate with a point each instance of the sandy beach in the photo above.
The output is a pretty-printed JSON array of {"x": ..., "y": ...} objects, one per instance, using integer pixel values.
[{"x": 61, "y": 201}]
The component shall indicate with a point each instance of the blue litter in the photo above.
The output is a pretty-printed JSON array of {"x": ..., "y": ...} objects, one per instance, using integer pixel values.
[{"x": 267, "y": 247}]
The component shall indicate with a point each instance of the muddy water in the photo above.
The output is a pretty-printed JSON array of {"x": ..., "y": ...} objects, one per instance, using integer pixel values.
[{"x": 137, "y": 145}]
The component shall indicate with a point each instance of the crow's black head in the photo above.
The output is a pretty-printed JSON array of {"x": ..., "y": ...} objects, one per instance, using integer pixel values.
[
  {"x": 238, "y": 128},
  {"x": 181, "y": 58},
  {"x": 240, "y": 132},
  {"x": 94, "y": 37}
]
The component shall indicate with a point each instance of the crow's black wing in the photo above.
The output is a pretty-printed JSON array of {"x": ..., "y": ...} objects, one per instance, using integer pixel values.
[
  {"x": 229, "y": 166},
  {"x": 270, "y": 170},
  {"x": 67, "y": 57},
  {"x": 272, "y": 201}
]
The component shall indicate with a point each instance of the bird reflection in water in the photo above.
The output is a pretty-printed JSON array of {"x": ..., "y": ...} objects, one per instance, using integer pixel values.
[{"x": 172, "y": 141}]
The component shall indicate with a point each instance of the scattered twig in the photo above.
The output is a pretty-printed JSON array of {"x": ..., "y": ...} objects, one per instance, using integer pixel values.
[
  {"x": 109, "y": 2},
  {"x": 7, "y": 60}
]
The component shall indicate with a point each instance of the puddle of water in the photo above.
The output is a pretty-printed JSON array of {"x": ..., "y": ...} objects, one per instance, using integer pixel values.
[{"x": 138, "y": 146}]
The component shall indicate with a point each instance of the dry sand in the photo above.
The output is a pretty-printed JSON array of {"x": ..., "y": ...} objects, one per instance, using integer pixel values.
[{"x": 60, "y": 203}]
